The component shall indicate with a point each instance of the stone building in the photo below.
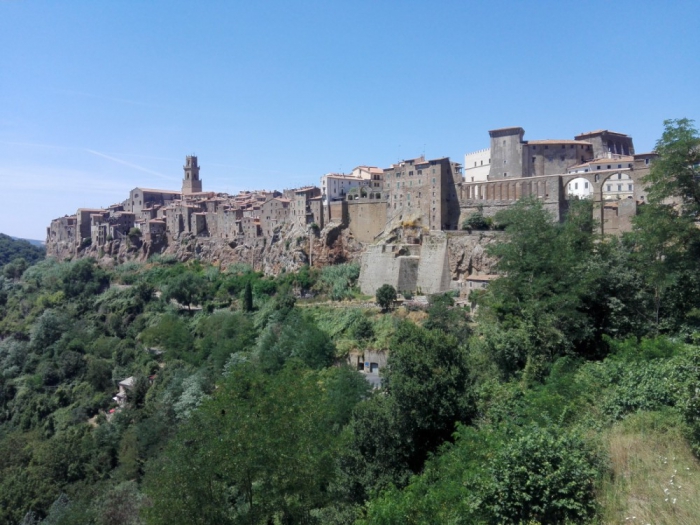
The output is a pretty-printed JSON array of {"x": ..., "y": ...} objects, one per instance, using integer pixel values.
[
  {"x": 477, "y": 165},
  {"x": 273, "y": 213},
  {"x": 141, "y": 199},
  {"x": 424, "y": 190},
  {"x": 300, "y": 207},
  {"x": 62, "y": 230}
]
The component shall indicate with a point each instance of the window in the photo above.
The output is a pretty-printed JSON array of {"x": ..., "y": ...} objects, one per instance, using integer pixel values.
[
  {"x": 619, "y": 176},
  {"x": 505, "y": 161},
  {"x": 546, "y": 147},
  {"x": 585, "y": 185},
  {"x": 505, "y": 173},
  {"x": 646, "y": 161},
  {"x": 410, "y": 174},
  {"x": 629, "y": 187},
  {"x": 576, "y": 185},
  {"x": 609, "y": 187},
  {"x": 609, "y": 166},
  {"x": 619, "y": 187},
  {"x": 619, "y": 166},
  {"x": 433, "y": 179},
  {"x": 598, "y": 167}
]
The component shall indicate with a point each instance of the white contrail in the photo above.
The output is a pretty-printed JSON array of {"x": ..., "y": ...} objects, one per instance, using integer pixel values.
[{"x": 125, "y": 163}]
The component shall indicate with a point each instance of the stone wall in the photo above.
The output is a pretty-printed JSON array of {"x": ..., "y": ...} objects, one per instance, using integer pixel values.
[
  {"x": 433, "y": 270},
  {"x": 392, "y": 264},
  {"x": 338, "y": 212},
  {"x": 366, "y": 218}
]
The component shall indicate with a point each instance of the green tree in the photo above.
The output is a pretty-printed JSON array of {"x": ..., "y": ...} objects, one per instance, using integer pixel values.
[
  {"x": 248, "y": 298},
  {"x": 260, "y": 451},
  {"x": 442, "y": 315},
  {"x": 428, "y": 377},
  {"x": 675, "y": 174},
  {"x": 536, "y": 310},
  {"x": 187, "y": 289},
  {"x": 386, "y": 296},
  {"x": 171, "y": 334},
  {"x": 427, "y": 392},
  {"x": 665, "y": 240},
  {"x": 83, "y": 278},
  {"x": 293, "y": 336}
]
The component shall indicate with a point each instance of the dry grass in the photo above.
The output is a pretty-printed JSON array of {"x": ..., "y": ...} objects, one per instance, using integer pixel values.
[{"x": 656, "y": 478}]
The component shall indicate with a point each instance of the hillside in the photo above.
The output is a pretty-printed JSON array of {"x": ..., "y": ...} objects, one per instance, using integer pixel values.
[{"x": 11, "y": 249}]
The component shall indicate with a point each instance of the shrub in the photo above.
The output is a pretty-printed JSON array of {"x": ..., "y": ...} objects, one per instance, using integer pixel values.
[
  {"x": 477, "y": 221},
  {"x": 545, "y": 475}
]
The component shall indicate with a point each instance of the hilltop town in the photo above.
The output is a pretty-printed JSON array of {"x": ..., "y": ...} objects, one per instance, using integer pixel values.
[{"x": 404, "y": 223}]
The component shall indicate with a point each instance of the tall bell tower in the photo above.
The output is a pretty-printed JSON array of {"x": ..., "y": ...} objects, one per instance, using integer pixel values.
[{"x": 191, "y": 182}]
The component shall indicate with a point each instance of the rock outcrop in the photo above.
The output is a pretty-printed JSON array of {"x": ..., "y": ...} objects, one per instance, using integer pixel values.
[{"x": 288, "y": 250}]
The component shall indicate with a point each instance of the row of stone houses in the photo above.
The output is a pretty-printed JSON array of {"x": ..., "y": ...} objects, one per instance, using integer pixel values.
[{"x": 432, "y": 194}]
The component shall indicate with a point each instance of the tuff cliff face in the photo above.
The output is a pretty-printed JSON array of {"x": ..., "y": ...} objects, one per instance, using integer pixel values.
[{"x": 288, "y": 250}]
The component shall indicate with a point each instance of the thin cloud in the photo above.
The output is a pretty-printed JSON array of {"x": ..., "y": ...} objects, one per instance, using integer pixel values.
[{"x": 129, "y": 164}]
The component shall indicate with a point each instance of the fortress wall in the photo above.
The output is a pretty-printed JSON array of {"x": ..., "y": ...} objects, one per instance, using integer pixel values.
[
  {"x": 382, "y": 264},
  {"x": 433, "y": 270},
  {"x": 366, "y": 219}
]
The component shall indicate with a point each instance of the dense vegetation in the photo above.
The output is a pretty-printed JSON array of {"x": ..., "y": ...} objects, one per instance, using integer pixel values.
[
  {"x": 16, "y": 255},
  {"x": 572, "y": 388}
]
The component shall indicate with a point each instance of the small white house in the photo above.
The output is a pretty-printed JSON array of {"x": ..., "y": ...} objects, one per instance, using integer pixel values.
[{"x": 580, "y": 188}]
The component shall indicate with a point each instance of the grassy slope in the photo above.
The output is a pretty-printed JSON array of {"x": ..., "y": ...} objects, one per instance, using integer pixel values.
[{"x": 656, "y": 478}]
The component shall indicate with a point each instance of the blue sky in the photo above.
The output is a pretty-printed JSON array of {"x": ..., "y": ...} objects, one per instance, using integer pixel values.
[{"x": 97, "y": 97}]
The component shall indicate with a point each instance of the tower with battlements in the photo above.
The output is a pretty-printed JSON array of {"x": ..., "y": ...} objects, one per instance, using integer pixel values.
[{"x": 191, "y": 183}]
